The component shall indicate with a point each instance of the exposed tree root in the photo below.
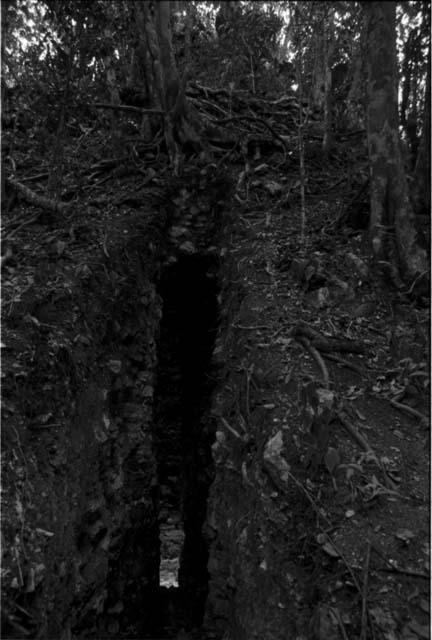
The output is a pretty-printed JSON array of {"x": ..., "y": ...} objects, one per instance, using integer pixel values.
[
  {"x": 34, "y": 198},
  {"x": 328, "y": 344}
]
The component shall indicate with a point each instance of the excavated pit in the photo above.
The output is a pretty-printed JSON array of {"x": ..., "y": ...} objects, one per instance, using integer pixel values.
[{"x": 183, "y": 436}]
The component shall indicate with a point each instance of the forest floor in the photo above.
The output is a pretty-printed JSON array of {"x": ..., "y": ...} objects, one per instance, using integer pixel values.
[{"x": 349, "y": 393}]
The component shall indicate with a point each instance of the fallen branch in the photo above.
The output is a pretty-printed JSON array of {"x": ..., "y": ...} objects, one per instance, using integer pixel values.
[
  {"x": 124, "y": 107},
  {"x": 34, "y": 198}
]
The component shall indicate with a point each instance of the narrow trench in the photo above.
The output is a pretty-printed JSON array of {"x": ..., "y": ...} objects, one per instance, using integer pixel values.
[{"x": 183, "y": 438}]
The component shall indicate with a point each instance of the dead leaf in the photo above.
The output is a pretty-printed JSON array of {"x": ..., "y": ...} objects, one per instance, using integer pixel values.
[
  {"x": 188, "y": 247},
  {"x": 60, "y": 247},
  {"x": 332, "y": 459},
  {"x": 405, "y": 535},
  {"x": 425, "y": 605},
  {"x": 273, "y": 187},
  {"x": 274, "y": 462},
  {"x": 44, "y": 532},
  {"x": 260, "y": 167},
  {"x": 176, "y": 232},
  {"x": 30, "y": 587},
  {"x": 115, "y": 365},
  {"x": 383, "y": 619},
  {"x": 327, "y": 546},
  {"x": 324, "y": 624},
  {"x": 413, "y": 594}
]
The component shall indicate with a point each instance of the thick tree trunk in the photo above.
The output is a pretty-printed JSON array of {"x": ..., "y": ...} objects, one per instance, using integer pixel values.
[
  {"x": 178, "y": 128},
  {"x": 406, "y": 83},
  {"x": 422, "y": 173},
  {"x": 322, "y": 75},
  {"x": 188, "y": 32},
  {"x": 355, "y": 98},
  {"x": 319, "y": 69},
  {"x": 328, "y": 102},
  {"x": 391, "y": 210},
  {"x": 141, "y": 74}
]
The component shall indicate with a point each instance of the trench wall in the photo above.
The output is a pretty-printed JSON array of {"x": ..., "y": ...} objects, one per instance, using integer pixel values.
[{"x": 81, "y": 549}]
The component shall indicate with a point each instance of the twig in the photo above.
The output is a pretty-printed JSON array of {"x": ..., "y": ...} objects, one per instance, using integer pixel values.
[
  {"x": 44, "y": 426},
  {"x": 20, "y": 226},
  {"x": 276, "y": 333},
  {"x": 338, "y": 617},
  {"x": 251, "y": 328},
  {"x": 18, "y": 441},
  {"x": 248, "y": 372},
  {"x": 318, "y": 359},
  {"x": 227, "y": 154},
  {"x": 364, "y": 616},
  {"x": 335, "y": 344},
  {"x": 39, "y": 176},
  {"x": 345, "y": 561},
  {"x": 410, "y": 410},
  {"x": 345, "y": 363},
  {"x": 355, "y": 435},
  {"x": 309, "y": 497},
  {"x": 18, "y": 627},
  {"x": 407, "y": 572},
  {"x": 394, "y": 567},
  {"x": 416, "y": 280},
  {"x": 231, "y": 429}
]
